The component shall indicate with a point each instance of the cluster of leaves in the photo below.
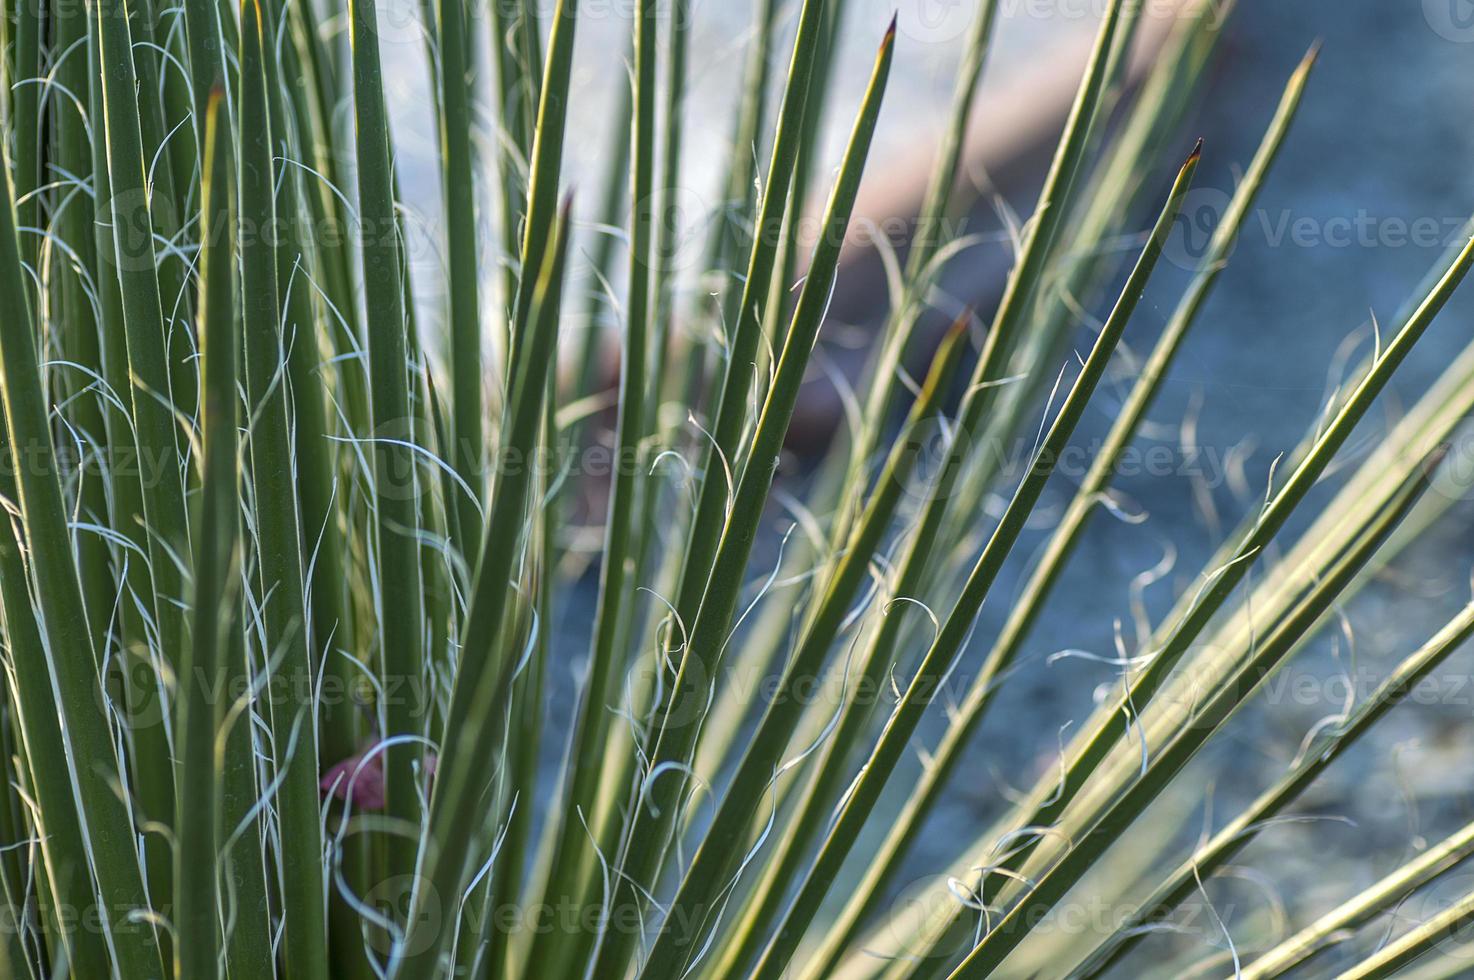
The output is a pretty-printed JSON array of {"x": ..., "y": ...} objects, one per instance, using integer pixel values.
[{"x": 279, "y": 587}]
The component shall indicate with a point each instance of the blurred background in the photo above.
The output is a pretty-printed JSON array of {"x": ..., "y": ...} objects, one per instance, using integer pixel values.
[{"x": 1374, "y": 183}]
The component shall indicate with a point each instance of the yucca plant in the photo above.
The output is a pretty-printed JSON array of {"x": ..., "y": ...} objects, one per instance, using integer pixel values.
[{"x": 299, "y": 563}]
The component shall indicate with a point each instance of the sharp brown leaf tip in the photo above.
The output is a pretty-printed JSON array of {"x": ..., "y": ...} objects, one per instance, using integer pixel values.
[
  {"x": 1435, "y": 459},
  {"x": 1197, "y": 151},
  {"x": 890, "y": 32}
]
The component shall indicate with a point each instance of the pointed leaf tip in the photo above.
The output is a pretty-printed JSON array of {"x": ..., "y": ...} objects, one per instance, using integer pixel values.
[
  {"x": 890, "y": 32},
  {"x": 959, "y": 325},
  {"x": 1197, "y": 151},
  {"x": 1435, "y": 459}
]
